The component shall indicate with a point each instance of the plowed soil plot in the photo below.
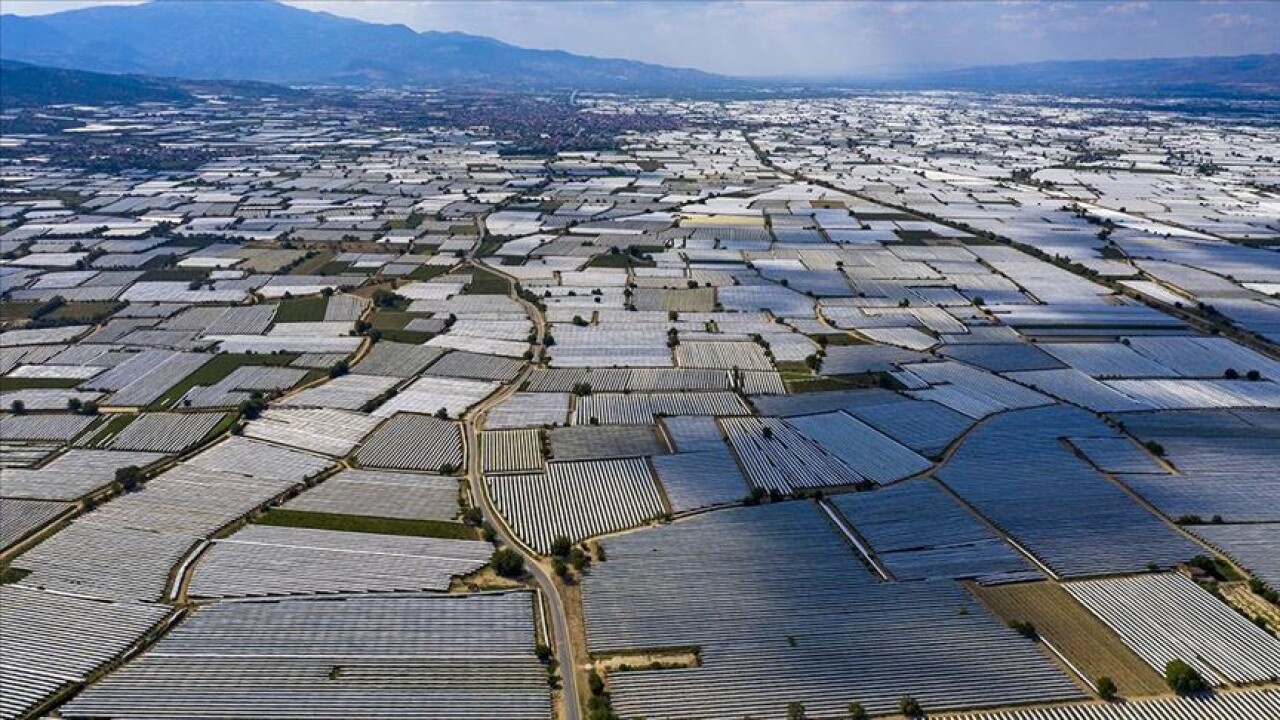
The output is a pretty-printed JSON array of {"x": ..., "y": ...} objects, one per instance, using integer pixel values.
[{"x": 1082, "y": 638}]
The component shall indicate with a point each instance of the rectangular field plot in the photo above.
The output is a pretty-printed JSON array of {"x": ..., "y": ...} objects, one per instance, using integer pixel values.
[
  {"x": 700, "y": 479},
  {"x": 349, "y": 392},
  {"x": 73, "y": 474},
  {"x": 919, "y": 532},
  {"x": 165, "y": 432},
  {"x": 776, "y": 457},
  {"x": 511, "y": 451},
  {"x": 586, "y": 442},
  {"x": 397, "y": 360},
  {"x": 104, "y": 561},
  {"x": 1229, "y": 476},
  {"x": 413, "y": 442},
  {"x": 413, "y": 658},
  {"x": 265, "y": 560},
  {"x": 862, "y": 448},
  {"x": 432, "y": 394},
  {"x": 1016, "y": 473},
  {"x": 576, "y": 500},
  {"x": 641, "y": 408},
  {"x": 327, "y": 431},
  {"x": 1088, "y": 643},
  {"x": 529, "y": 410},
  {"x": 782, "y": 610},
  {"x": 375, "y": 493},
  {"x": 20, "y": 518},
  {"x": 1165, "y": 617},
  {"x": 52, "y": 640}
]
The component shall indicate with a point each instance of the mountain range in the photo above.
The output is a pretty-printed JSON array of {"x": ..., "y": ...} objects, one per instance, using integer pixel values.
[
  {"x": 271, "y": 42},
  {"x": 267, "y": 41}
]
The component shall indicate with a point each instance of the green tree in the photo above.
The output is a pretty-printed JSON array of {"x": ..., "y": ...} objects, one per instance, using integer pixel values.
[
  {"x": 910, "y": 707},
  {"x": 18, "y": 407},
  {"x": 560, "y": 546},
  {"x": 129, "y": 478},
  {"x": 1106, "y": 688},
  {"x": 1182, "y": 678},
  {"x": 595, "y": 682},
  {"x": 855, "y": 711},
  {"x": 507, "y": 563}
]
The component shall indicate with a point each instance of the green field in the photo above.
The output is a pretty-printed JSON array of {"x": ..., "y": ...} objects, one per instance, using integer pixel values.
[
  {"x": 10, "y": 383},
  {"x": 367, "y": 524},
  {"x": 484, "y": 282},
  {"x": 303, "y": 309}
]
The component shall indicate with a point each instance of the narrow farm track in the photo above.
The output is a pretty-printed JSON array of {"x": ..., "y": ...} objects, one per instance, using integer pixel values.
[{"x": 472, "y": 424}]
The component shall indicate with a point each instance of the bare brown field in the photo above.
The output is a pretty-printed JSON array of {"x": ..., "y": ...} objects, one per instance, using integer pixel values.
[{"x": 1083, "y": 639}]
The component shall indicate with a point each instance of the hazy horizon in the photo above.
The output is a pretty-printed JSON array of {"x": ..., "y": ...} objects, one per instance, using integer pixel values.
[{"x": 806, "y": 38}]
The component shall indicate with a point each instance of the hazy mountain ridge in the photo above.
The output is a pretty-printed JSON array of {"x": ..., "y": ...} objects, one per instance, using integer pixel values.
[
  {"x": 270, "y": 42},
  {"x": 1244, "y": 76},
  {"x": 266, "y": 41}
]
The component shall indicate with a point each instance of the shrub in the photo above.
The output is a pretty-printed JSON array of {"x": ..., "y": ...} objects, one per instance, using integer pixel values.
[
  {"x": 1106, "y": 688},
  {"x": 795, "y": 711},
  {"x": 1024, "y": 628},
  {"x": 129, "y": 477},
  {"x": 855, "y": 711},
  {"x": 507, "y": 563},
  {"x": 560, "y": 546},
  {"x": 910, "y": 707},
  {"x": 1182, "y": 678}
]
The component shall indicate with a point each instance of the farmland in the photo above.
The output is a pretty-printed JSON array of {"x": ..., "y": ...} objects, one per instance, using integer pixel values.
[
  {"x": 1086, "y": 643},
  {"x": 758, "y": 409}
]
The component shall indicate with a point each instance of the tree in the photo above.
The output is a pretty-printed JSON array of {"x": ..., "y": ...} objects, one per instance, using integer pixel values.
[
  {"x": 560, "y": 546},
  {"x": 1154, "y": 448},
  {"x": 18, "y": 407},
  {"x": 579, "y": 559},
  {"x": 1253, "y": 376},
  {"x": 339, "y": 369},
  {"x": 507, "y": 562},
  {"x": 1182, "y": 678},
  {"x": 542, "y": 652},
  {"x": 559, "y": 567},
  {"x": 74, "y": 404},
  {"x": 1231, "y": 374},
  {"x": 855, "y": 711},
  {"x": 129, "y": 477},
  {"x": 795, "y": 711},
  {"x": 595, "y": 682},
  {"x": 89, "y": 407},
  {"x": 473, "y": 516},
  {"x": 1106, "y": 688},
  {"x": 910, "y": 707}
]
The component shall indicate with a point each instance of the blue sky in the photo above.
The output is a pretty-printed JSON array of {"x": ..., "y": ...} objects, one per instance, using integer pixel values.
[{"x": 827, "y": 37}]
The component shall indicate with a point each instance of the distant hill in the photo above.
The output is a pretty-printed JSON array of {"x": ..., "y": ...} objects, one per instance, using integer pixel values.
[
  {"x": 271, "y": 42},
  {"x": 23, "y": 84},
  {"x": 1244, "y": 76}
]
